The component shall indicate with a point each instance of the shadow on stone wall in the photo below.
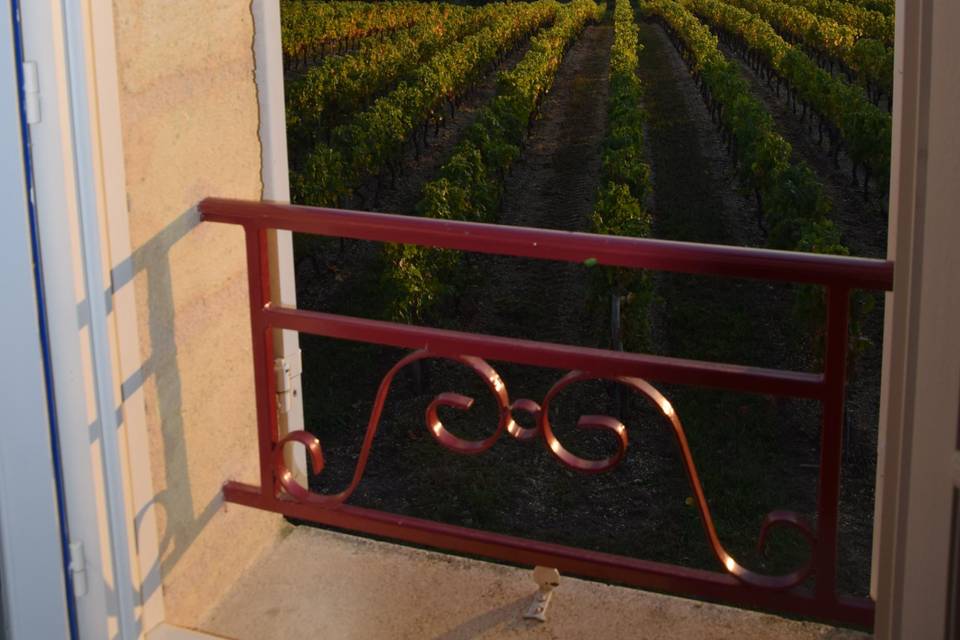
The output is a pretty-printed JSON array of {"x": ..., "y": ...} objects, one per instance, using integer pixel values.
[{"x": 177, "y": 499}]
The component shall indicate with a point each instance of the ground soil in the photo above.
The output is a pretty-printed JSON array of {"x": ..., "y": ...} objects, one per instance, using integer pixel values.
[
  {"x": 552, "y": 186},
  {"x": 767, "y": 456}
]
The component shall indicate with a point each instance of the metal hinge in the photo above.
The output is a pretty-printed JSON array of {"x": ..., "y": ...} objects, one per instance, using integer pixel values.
[
  {"x": 31, "y": 92},
  {"x": 287, "y": 370},
  {"x": 78, "y": 569}
]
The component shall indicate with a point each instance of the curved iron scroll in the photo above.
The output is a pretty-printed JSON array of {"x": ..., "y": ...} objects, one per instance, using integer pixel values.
[{"x": 785, "y": 519}]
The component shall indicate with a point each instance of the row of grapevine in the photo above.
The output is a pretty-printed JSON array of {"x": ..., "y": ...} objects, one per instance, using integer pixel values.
[
  {"x": 869, "y": 23},
  {"x": 471, "y": 181},
  {"x": 886, "y": 7},
  {"x": 624, "y": 184},
  {"x": 342, "y": 85},
  {"x": 788, "y": 194},
  {"x": 374, "y": 140},
  {"x": 843, "y": 109},
  {"x": 869, "y": 60},
  {"x": 309, "y": 28}
]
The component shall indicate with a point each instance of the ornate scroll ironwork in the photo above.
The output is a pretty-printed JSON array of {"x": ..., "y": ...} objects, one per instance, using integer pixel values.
[{"x": 506, "y": 423}]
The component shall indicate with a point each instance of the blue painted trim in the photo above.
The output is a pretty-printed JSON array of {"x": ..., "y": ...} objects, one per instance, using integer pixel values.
[{"x": 43, "y": 329}]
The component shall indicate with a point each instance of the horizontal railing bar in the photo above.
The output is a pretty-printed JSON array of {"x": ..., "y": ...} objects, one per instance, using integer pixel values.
[
  {"x": 544, "y": 244},
  {"x": 444, "y": 342},
  {"x": 594, "y": 564}
]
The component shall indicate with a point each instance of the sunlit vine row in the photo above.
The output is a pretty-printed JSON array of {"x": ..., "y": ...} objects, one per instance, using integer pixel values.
[
  {"x": 342, "y": 85},
  {"x": 624, "y": 183},
  {"x": 471, "y": 181},
  {"x": 311, "y": 28},
  {"x": 373, "y": 140},
  {"x": 869, "y": 23},
  {"x": 843, "y": 110},
  {"x": 790, "y": 199},
  {"x": 788, "y": 193},
  {"x": 886, "y": 7},
  {"x": 868, "y": 59}
]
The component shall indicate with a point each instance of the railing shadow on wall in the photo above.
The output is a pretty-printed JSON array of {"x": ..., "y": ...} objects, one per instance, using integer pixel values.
[
  {"x": 736, "y": 584},
  {"x": 177, "y": 500}
]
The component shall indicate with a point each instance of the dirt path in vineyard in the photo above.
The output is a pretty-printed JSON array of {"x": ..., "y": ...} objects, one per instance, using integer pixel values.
[{"x": 552, "y": 186}]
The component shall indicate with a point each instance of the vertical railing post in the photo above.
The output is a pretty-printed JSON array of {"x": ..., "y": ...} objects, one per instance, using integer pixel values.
[
  {"x": 258, "y": 278},
  {"x": 831, "y": 441}
]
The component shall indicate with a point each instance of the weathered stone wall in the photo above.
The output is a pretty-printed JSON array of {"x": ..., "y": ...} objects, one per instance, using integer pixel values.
[{"x": 189, "y": 118}]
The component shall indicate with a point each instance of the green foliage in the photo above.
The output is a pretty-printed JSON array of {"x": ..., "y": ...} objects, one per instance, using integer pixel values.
[
  {"x": 846, "y": 109},
  {"x": 414, "y": 278},
  {"x": 789, "y": 193},
  {"x": 827, "y": 36},
  {"x": 821, "y": 236},
  {"x": 810, "y": 306},
  {"x": 868, "y": 22},
  {"x": 308, "y": 27},
  {"x": 625, "y": 182},
  {"x": 470, "y": 183},
  {"x": 320, "y": 182},
  {"x": 329, "y": 92},
  {"x": 373, "y": 139},
  {"x": 793, "y": 202},
  {"x": 619, "y": 213}
]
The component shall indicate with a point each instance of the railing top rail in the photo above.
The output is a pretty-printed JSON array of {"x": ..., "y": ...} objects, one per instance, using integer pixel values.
[{"x": 636, "y": 253}]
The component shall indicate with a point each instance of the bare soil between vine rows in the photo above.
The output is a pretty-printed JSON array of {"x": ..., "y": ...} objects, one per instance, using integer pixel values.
[{"x": 766, "y": 456}]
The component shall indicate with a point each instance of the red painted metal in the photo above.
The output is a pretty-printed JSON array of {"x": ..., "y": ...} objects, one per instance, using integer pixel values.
[
  {"x": 541, "y": 412},
  {"x": 279, "y": 491},
  {"x": 831, "y": 441},
  {"x": 565, "y": 246},
  {"x": 645, "y": 574},
  {"x": 555, "y": 356},
  {"x": 258, "y": 277}
]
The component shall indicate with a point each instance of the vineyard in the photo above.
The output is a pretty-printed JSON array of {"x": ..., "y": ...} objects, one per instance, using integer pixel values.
[{"x": 761, "y": 123}]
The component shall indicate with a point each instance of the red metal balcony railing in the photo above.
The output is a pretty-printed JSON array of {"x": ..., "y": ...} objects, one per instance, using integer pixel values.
[{"x": 280, "y": 492}]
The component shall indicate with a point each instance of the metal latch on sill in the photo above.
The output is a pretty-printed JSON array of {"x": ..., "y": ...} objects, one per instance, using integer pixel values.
[
  {"x": 31, "y": 92},
  {"x": 287, "y": 370},
  {"x": 78, "y": 569},
  {"x": 548, "y": 579}
]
